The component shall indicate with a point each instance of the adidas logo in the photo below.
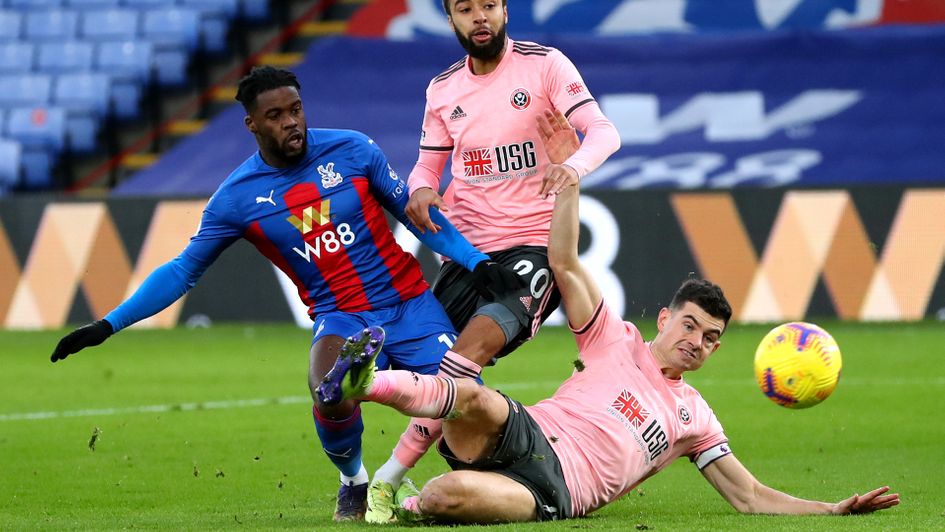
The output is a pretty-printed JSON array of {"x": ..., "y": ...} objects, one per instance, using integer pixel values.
[
  {"x": 423, "y": 431},
  {"x": 527, "y": 301},
  {"x": 457, "y": 113}
]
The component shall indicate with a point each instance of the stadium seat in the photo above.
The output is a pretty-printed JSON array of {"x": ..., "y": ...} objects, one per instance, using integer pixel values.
[
  {"x": 25, "y": 90},
  {"x": 84, "y": 5},
  {"x": 59, "y": 58},
  {"x": 175, "y": 34},
  {"x": 256, "y": 11},
  {"x": 11, "y": 23},
  {"x": 52, "y": 25},
  {"x": 109, "y": 25},
  {"x": 129, "y": 66},
  {"x": 16, "y": 57},
  {"x": 86, "y": 98},
  {"x": 215, "y": 19},
  {"x": 144, "y": 5},
  {"x": 10, "y": 154},
  {"x": 36, "y": 5},
  {"x": 42, "y": 133}
]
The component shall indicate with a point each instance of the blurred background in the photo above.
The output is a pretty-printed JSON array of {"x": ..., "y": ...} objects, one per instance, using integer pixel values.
[{"x": 789, "y": 150}]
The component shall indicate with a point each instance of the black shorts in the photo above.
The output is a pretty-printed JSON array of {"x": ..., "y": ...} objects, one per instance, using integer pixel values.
[
  {"x": 524, "y": 455},
  {"x": 454, "y": 289}
]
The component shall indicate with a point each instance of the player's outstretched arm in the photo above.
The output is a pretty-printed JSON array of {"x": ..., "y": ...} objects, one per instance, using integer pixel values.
[
  {"x": 579, "y": 292},
  {"x": 747, "y": 495}
]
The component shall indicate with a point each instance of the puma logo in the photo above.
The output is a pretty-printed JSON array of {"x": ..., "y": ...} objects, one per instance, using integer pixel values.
[{"x": 260, "y": 199}]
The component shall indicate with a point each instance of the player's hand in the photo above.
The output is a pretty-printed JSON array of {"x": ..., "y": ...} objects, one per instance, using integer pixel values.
[
  {"x": 557, "y": 178},
  {"x": 494, "y": 281},
  {"x": 418, "y": 208},
  {"x": 559, "y": 138},
  {"x": 870, "y": 502},
  {"x": 85, "y": 336}
]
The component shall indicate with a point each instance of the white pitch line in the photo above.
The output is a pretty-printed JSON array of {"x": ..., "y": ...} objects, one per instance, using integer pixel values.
[
  {"x": 502, "y": 386},
  {"x": 179, "y": 407}
]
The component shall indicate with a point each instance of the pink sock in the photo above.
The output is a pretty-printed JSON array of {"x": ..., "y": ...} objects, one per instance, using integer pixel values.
[
  {"x": 413, "y": 394},
  {"x": 422, "y": 432},
  {"x": 457, "y": 366}
]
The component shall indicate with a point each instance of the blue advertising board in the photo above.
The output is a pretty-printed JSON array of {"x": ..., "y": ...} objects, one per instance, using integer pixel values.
[{"x": 773, "y": 109}]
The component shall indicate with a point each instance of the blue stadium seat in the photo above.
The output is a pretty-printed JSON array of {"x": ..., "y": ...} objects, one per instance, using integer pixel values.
[
  {"x": 16, "y": 57},
  {"x": 52, "y": 25},
  {"x": 25, "y": 90},
  {"x": 215, "y": 19},
  {"x": 109, "y": 25},
  {"x": 59, "y": 58},
  {"x": 85, "y": 5},
  {"x": 129, "y": 66},
  {"x": 254, "y": 10},
  {"x": 148, "y": 4},
  {"x": 42, "y": 133},
  {"x": 86, "y": 97},
  {"x": 40, "y": 5},
  {"x": 11, "y": 23},
  {"x": 175, "y": 34},
  {"x": 10, "y": 154}
]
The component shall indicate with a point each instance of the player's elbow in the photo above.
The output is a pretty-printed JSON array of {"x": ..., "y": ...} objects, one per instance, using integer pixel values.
[{"x": 562, "y": 259}]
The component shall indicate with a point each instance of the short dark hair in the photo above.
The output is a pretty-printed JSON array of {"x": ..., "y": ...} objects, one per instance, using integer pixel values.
[
  {"x": 707, "y": 295},
  {"x": 446, "y": 5},
  {"x": 261, "y": 79}
]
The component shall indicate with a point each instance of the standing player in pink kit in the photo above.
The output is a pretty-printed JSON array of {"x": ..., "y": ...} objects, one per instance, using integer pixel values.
[
  {"x": 483, "y": 109},
  {"x": 627, "y": 415}
]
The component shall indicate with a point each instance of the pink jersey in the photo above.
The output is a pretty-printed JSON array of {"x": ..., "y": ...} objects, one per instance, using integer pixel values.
[
  {"x": 489, "y": 123},
  {"x": 619, "y": 421}
]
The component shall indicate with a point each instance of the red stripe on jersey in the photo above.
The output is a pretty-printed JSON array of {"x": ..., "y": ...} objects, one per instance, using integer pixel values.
[
  {"x": 258, "y": 238},
  {"x": 336, "y": 267},
  {"x": 405, "y": 273}
]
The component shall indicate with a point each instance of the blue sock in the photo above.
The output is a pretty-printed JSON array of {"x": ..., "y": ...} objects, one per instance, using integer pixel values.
[{"x": 341, "y": 440}]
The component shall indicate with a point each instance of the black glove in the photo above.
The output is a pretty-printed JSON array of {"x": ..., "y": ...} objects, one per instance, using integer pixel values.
[
  {"x": 494, "y": 281},
  {"x": 85, "y": 336}
]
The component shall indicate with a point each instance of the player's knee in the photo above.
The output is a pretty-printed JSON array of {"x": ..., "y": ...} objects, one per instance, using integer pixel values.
[
  {"x": 443, "y": 495},
  {"x": 338, "y": 412},
  {"x": 473, "y": 397}
]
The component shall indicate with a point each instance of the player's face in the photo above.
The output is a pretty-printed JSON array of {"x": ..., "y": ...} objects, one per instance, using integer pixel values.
[
  {"x": 278, "y": 122},
  {"x": 687, "y": 336},
  {"x": 479, "y": 26}
]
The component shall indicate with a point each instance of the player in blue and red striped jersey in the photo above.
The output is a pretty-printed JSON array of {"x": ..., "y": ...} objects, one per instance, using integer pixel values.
[{"x": 312, "y": 202}]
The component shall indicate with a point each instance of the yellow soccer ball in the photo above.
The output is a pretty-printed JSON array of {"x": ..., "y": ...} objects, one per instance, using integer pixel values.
[{"x": 797, "y": 365}]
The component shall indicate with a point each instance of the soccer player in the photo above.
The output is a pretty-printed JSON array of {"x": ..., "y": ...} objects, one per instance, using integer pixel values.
[
  {"x": 483, "y": 109},
  {"x": 618, "y": 421},
  {"x": 310, "y": 200}
]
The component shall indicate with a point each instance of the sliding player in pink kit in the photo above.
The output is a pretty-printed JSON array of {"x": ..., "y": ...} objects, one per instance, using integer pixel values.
[
  {"x": 483, "y": 110},
  {"x": 627, "y": 415}
]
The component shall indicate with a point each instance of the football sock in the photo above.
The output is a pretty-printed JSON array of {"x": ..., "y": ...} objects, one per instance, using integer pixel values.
[
  {"x": 360, "y": 478},
  {"x": 341, "y": 441},
  {"x": 392, "y": 471},
  {"x": 413, "y": 394},
  {"x": 422, "y": 432}
]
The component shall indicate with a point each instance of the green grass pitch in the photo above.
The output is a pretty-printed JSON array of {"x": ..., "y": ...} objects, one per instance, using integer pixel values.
[{"x": 211, "y": 429}]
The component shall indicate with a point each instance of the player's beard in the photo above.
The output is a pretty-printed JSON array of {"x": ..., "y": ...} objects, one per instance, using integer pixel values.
[{"x": 485, "y": 52}]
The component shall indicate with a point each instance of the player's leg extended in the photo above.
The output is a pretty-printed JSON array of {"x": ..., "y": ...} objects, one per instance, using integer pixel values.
[
  {"x": 416, "y": 342},
  {"x": 339, "y": 428}
]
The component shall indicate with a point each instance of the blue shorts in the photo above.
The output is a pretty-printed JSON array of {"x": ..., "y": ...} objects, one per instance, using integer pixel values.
[{"x": 418, "y": 332}]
